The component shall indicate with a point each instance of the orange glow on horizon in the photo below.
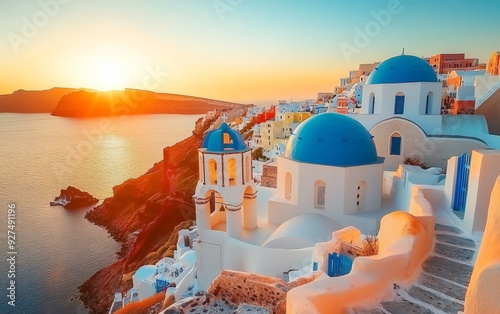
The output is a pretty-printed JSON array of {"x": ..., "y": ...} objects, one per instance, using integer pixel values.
[{"x": 106, "y": 68}]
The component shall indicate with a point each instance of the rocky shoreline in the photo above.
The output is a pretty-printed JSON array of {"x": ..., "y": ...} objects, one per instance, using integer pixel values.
[
  {"x": 153, "y": 206},
  {"x": 72, "y": 197}
]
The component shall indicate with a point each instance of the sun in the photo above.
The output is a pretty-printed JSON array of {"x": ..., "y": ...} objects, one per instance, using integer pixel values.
[
  {"x": 109, "y": 73},
  {"x": 108, "y": 69}
]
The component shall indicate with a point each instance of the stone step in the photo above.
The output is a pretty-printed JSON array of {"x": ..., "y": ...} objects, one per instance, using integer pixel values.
[
  {"x": 405, "y": 307},
  {"x": 247, "y": 308},
  {"x": 453, "y": 252},
  {"x": 459, "y": 214},
  {"x": 450, "y": 289},
  {"x": 448, "y": 269},
  {"x": 455, "y": 240},
  {"x": 447, "y": 228},
  {"x": 431, "y": 298},
  {"x": 366, "y": 311}
]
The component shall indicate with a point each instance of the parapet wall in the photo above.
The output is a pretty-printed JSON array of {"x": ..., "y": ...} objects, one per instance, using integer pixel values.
[
  {"x": 262, "y": 291},
  {"x": 405, "y": 240},
  {"x": 482, "y": 294},
  {"x": 269, "y": 176},
  {"x": 216, "y": 252}
]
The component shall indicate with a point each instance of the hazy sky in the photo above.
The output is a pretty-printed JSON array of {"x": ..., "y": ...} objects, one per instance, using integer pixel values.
[{"x": 241, "y": 50}]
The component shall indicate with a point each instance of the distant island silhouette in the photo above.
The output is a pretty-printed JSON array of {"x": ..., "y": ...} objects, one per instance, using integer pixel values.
[{"x": 86, "y": 103}]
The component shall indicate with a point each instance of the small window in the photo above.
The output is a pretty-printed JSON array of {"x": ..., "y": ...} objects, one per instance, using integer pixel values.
[
  {"x": 232, "y": 171},
  {"x": 428, "y": 103},
  {"x": 360, "y": 197},
  {"x": 320, "y": 194},
  {"x": 288, "y": 185},
  {"x": 371, "y": 104},
  {"x": 212, "y": 171},
  {"x": 248, "y": 170},
  {"x": 399, "y": 103}
]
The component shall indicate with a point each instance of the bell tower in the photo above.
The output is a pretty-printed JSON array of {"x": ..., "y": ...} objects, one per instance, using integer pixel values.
[{"x": 225, "y": 191}]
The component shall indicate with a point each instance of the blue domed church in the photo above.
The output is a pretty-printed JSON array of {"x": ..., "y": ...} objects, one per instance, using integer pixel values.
[
  {"x": 401, "y": 108},
  {"x": 331, "y": 168},
  {"x": 329, "y": 178},
  {"x": 402, "y": 85}
]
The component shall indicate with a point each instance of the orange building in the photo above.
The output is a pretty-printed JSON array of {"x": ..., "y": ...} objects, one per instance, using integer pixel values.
[
  {"x": 445, "y": 63},
  {"x": 266, "y": 115},
  {"x": 355, "y": 76},
  {"x": 463, "y": 106},
  {"x": 342, "y": 105},
  {"x": 455, "y": 81},
  {"x": 493, "y": 65}
]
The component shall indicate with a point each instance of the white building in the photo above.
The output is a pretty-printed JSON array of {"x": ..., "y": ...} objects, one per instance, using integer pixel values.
[
  {"x": 468, "y": 78},
  {"x": 144, "y": 281},
  {"x": 331, "y": 168},
  {"x": 401, "y": 108},
  {"x": 284, "y": 107},
  {"x": 226, "y": 213},
  {"x": 329, "y": 178},
  {"x": 402, "y": 85},
  {"x": 226, "y": 174}
]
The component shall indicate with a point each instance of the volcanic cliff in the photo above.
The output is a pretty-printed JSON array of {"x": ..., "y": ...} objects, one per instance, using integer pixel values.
[
  {"x": 83, "y": 104},
  {"x": 34, "y": 101},
  {"x": 154, "y": 208}
]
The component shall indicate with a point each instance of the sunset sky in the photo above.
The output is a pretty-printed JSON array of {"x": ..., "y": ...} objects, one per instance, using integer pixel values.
[{"x": 254, "y": 51}]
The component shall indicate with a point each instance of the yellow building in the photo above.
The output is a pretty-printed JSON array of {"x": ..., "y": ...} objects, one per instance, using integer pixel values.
[{"x": 275, "y": 132}]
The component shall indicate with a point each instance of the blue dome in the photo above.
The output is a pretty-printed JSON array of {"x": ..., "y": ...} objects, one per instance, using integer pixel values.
[
  {"x": 402, "y": 69},
  {"x": 223, "y": 139},
  {"x": 332, "y": 139}
]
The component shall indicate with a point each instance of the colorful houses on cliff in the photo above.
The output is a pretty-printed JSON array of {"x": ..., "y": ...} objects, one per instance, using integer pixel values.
[{"x": 340, "y": 179}]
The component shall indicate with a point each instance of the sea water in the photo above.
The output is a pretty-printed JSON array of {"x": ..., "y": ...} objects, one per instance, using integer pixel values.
[{"x": 55, "y": 250}]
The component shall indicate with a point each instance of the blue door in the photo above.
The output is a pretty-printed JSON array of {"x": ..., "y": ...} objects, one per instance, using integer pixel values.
[
  {"x": 461, "y": 183},
  {"x": 338, "y": 265},
  {"x": 395, "y": 145}
]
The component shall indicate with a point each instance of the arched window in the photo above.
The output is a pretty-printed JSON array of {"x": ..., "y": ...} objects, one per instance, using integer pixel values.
[
  {"x": 248, "y": 169},
  {"x": 212, "y": 171},
  {"x": 227, "y": 139},
  {"x": 212, "y": 201},
  {"x": 371, "y": 102},
  {"x": 231, "y": 167},
  {"x": 395, "y": 144},
  {"x": 288, "y": 185},
  {"x": 399, "y": 103},
  {"x": 319, "y": 194},
  {"x": 428, "y": 103},
  {"x": 360, "y": 195}
]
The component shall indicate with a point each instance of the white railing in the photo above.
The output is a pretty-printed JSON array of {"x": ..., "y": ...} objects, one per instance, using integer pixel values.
[
  {"x": 182, "y": 283},
  {"x": 117, "y": 303}
]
